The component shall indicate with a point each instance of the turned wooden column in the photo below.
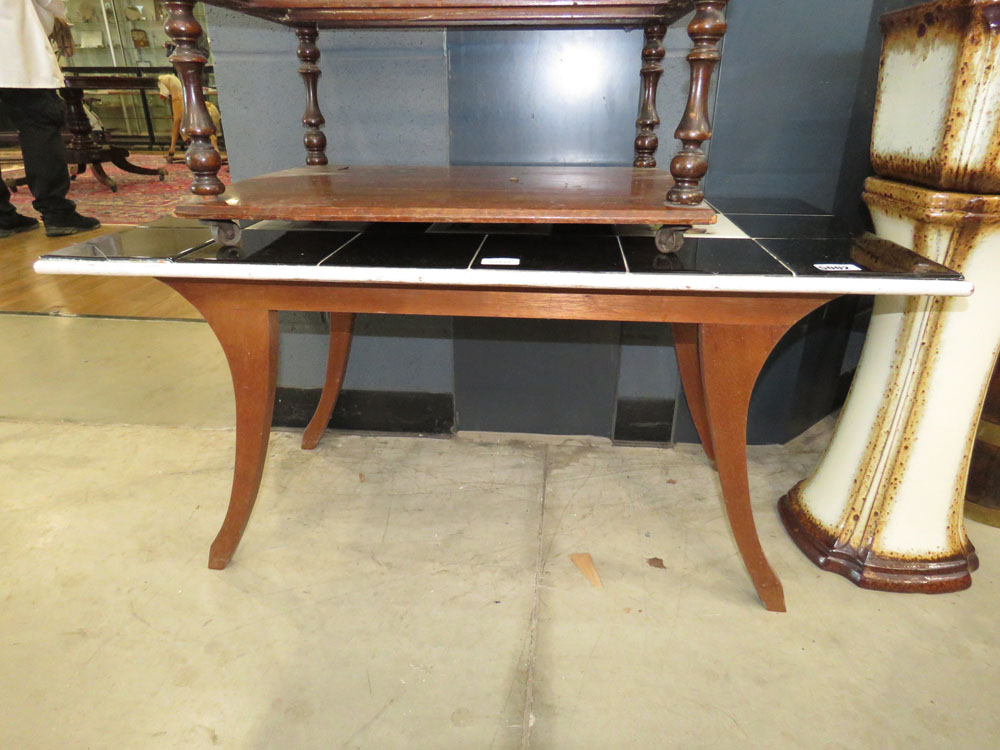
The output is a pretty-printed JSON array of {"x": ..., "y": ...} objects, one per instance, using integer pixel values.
[
  {"x": 312, "y": 120},
  {"x": 189, "y": 61},
  {"x": 690, "y": 165},
  {"x": 646, "y": 142}
]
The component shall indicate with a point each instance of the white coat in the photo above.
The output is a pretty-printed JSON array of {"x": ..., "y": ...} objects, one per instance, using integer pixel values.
[{"x": 28, "y": 59}]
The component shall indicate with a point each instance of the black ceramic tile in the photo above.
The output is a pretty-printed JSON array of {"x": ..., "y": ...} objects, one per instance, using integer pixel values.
[
  {"x": 791, "y": 227},
  {"x": 731, "y": 206},
  {"x": 708, "y": 255},
  {"x": 398, "y": 227},
  {"x": 395, "y": 250},
  {"x": 465, "y": 228},
  {"x": 173, "y": 221},
  {"x": 848, "y": 258},
  {"x": 156, "y": 243},
  {"x": 274, "y": 247},
  {"x": 309, "y": 226},
  {"x": 536, "y": 229},
  {"x": 558, "y": 253},
  {"x": 583, "y": 230}
]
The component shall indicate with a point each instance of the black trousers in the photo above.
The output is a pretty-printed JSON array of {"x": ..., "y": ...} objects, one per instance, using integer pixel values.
[{"x": 39, "y": 115}]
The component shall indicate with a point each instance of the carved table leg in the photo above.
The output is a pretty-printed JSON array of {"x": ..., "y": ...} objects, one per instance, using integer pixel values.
[
  {"x": 691, "y": 164},
  {"x": 336, "y": 364},
  {"x": 689, "y": 363},
  {"x": 189, "y": 61},
  {"x": 646, "y": 142},
  {"x": 312, "y": 120},
  {"x": 249, "y": 339},
  {"x": 103, "y": 177},
  {"x": 81, "y": 140},
  {"x": 119, "y": 157}
]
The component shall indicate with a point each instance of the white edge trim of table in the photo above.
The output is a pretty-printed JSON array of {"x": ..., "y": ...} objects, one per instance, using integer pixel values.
[{"x": 572, "y": 280}]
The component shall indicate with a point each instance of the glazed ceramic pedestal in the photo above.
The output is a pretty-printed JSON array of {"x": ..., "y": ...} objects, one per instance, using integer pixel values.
[{"x": 884, "y": 505}]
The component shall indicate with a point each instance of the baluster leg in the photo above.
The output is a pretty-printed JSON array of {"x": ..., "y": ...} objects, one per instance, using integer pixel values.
[
  {"x": 646, "y": 142},
  {"x": 189, "y": 61},
  {"x": 690, "y": 165},
  {"x": 312, "y": 120}
]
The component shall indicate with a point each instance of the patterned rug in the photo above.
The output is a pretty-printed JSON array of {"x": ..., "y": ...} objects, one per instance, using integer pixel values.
[{"x": 139, "y": 200}]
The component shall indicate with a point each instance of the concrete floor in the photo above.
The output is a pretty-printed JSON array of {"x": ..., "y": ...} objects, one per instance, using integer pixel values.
[{"x": 399, "y": 592}]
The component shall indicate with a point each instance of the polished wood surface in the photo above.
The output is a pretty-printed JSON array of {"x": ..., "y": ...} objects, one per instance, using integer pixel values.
[
  {"x": 22, "y": 290},
  {"x": 619, "y": 195},
  {"x": 312, "y": 120},
  {"x": 189, "y": 60},
  {"x": 690, "y": 166},
  {"x": 646, "y": 142},
  {"x": 735, "y": 335},
  {"x": 446, "y": 13}
]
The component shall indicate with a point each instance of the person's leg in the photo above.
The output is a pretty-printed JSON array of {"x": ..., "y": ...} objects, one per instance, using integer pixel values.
[
  {"x": 11, "y": 222},
  {"x": 39, "y": 115}
]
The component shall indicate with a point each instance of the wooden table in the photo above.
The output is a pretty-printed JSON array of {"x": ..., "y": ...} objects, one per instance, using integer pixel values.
[
  {"x": 730, "y": 299},
  {"x": 83, "y": 150}
]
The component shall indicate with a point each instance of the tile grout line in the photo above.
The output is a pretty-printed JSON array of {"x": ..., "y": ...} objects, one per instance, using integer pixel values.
[{"x": 527, "y": 717}]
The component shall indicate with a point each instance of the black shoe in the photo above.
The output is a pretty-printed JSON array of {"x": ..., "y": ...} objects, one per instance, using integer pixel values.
[
  {"x": 59, "y": 225},
  {"x": 14, "y": 223}
]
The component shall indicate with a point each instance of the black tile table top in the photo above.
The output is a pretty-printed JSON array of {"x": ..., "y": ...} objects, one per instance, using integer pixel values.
[
  {"x": 400, "y": 249},
  {"x": 141, "y": 243},
  {"x": 762, "y": 206},
  {"x": 600, "y": 256},
  {"x": 706, "y": 255},
  {"x": 300, "y": 247},
  {"x": 590, "y": 254},
  {"x": 775, "y": 226},
  {"x": 865, "y": 255}
]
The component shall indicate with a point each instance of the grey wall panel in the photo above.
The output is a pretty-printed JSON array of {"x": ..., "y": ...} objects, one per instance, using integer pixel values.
[
  {"x": 648, "y": 363},
  {"x": 556, "y": 97},
  {"x": 786, "y": 91},
  {"x": 542, "y": 376},
  {"x": 389, "y": 353}
]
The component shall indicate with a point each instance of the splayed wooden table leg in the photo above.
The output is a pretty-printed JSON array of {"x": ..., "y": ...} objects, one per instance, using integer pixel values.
[
  {"x": 336, "y": 365},
  {"x": 249, "y": 338}
]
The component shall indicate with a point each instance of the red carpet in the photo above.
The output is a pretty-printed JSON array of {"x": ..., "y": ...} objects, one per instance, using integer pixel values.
[{"x": 139, "y": 199}]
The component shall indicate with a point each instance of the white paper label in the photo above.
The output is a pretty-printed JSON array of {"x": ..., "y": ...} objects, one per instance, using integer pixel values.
[
  {"x": 836, "y": 267},
  {"x": 501, "y": 261}
]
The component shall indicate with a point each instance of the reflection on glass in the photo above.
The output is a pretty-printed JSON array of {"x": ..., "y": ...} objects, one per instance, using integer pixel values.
[
  {"x": 577, "y": 69},
  {"x": 125, "y": 34}
]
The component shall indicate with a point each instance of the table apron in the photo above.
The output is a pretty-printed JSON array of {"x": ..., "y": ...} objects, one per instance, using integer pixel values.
[{"x": 556, "y": 304}]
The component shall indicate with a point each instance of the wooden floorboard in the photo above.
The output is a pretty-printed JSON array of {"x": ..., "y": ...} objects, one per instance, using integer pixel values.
[{"x": 24, "y": 291}]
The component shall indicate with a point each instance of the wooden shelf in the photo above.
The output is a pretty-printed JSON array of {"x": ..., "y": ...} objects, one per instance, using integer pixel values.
[
  {"x": 560, "y": 195},
  {"x": 443, "y": 13}
]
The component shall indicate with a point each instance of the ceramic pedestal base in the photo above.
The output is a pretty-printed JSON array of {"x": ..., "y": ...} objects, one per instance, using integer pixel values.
[{"x": 884, "y": 505}]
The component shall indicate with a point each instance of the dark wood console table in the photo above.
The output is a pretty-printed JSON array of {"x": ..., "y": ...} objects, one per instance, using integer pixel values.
[
  {"x": 83, "y": 149},
  {"x": 729, "y": 299}
]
